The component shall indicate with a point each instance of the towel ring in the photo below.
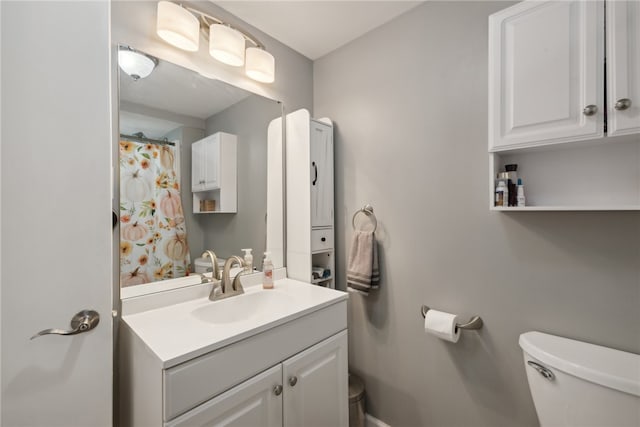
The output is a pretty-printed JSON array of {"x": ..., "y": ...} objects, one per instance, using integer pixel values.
[{"x": 368, "y": 211}]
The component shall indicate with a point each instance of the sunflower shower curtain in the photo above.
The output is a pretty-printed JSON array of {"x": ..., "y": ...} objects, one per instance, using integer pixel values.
[{"x": 153, "y": 235}]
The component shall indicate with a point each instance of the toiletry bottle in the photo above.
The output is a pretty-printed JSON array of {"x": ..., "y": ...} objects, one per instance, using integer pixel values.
[
  {"x": 521, "y": 199},
  {"x": 512, "y": 175},
  {"x": 248, "y": 260},
  {"x": 502, "y": 194},
  {"x": 267, "y": 272}
]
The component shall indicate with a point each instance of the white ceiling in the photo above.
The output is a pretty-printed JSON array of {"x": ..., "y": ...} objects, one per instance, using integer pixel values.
[{"x": 316, "y": 27}]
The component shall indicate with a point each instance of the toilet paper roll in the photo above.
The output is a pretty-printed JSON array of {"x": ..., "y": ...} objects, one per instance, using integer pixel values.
[{"x": 442, "y": 325}]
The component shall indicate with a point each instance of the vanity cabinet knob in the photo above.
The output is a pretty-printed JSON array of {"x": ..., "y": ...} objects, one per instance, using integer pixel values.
[
  {"x": 277, "y": 390},
  {"x": 324, "y": 239},
  {"x": 293, "y": 381},
  {"x": 622, "y": 104},
  {"x": 590, "y": 110}
]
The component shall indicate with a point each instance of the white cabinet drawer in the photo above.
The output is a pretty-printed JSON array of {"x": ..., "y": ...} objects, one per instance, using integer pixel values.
[{"x": 321, "y": 239}]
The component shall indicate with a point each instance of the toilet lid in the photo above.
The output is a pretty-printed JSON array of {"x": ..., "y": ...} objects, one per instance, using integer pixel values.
[{"x": 611, "y": 368}]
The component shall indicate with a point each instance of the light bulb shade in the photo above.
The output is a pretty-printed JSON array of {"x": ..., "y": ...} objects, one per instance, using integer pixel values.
[
  {"x": 136, "y": 64},
  {"x": 177, "y": 26},
  {"x": 260, "y": 65},
  {"x": 226, "y": 45}
]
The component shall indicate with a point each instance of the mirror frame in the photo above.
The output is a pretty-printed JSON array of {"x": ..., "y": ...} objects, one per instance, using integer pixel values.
[{"x": 180, "y": 282}]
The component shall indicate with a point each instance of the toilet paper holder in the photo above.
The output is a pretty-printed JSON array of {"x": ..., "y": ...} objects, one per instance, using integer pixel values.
[{"x": 474, "y": 323}]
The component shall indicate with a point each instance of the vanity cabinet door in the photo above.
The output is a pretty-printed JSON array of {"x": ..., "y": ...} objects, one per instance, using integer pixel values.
[
  {"x": 316, "y": 385},
  {"x": 623, "y": 67},
  {"x": 255, "y": 402},
  {"x": 546, "y": 73},
  {"x": 211, "y": 173},
  {"x": 321, "y": 153}
]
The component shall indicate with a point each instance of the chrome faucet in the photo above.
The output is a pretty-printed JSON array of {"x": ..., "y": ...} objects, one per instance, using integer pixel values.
[
  {"x": 236, "y": 286},
  {"x": 215, "y": 271}
]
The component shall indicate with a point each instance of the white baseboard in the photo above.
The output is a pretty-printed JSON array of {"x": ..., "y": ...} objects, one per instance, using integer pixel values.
[{"x": 371, "y": 421}]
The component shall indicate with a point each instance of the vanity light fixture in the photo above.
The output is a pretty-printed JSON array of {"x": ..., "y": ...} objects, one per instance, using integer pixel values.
[
  {"x": 180, "y": 26},
  {"x": 136, "y": 64}
]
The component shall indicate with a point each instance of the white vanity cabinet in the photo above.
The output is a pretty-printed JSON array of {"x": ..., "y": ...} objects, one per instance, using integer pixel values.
[
  {"x": 286, "y": 366},
  {"x": 310, "y": 206},
  {"x": 309, "y": 389},
  {"x": 214, "y": 172},
  {"x": 575, "y": 150}
]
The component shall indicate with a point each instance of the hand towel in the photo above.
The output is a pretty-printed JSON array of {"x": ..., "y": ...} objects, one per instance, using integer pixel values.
[{"x": 362, "y": 266}]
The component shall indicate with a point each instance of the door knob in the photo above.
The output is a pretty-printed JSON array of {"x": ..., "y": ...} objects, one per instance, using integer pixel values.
[
  {"x": 293, "y": 381},
  {"x": 81, "y": 322},
  {"x": 622, "y": 104},
  {"x": 277, "y": 390},
  {"x": 590, "y": 110}
]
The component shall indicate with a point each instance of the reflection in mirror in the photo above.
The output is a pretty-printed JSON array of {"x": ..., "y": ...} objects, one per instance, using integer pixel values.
[{"x": 193, "y": 174}]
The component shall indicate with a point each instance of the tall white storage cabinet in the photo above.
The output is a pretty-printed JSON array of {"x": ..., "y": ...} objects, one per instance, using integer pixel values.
[
  {"x": 214, "y": 172},
  {"x": 310, "y": 230},
  {"x": 572, "y": 129}
]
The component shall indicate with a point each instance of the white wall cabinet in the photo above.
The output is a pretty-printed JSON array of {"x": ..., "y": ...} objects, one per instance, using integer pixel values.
[
  {"x": 214, "y": 173},
  {"x": 310, "y": 206},
  {"x": 547, "y": 91}
]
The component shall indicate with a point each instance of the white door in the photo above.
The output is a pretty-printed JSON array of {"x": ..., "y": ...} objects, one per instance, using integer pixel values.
[
  {"x": 623, "y": 67},
  {"x": 197, "y": 166},
  {"x": 546, "y": 73},
  {"x": 56, "y": 232},
  {"x": 321, "y": 151},
  {"x": 316, "y": 385},
  {"x": 212, "y": 162},
  {"x": 255, "y": 402}
]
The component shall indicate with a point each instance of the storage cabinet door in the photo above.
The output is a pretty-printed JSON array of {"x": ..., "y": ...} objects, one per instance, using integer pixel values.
[
  {"x": 546, "y": 79},
  {"x": 623, "y": 67},
  {"x": 316, "y": 385},
  {"x": 252, "y": 403},
  {"x": 321, "y": 152},
  {"x": 212, "y": 164},
  {"x": 197, "y": 162}
]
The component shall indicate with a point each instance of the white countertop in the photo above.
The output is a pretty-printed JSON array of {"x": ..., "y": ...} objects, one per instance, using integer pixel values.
[{"x": 175, "y": 334}]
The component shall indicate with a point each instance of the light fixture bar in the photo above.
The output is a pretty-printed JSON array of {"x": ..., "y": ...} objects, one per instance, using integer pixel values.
[{"x": 204, "y": 26}]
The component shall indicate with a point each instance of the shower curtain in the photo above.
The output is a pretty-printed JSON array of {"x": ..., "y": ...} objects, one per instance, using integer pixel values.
[{"x": 153, "y": 235}]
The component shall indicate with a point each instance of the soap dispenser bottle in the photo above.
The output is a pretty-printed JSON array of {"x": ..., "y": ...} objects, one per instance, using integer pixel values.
[
  {"x": 267, "y": 272},
  {"x": 248, "y": 260}
]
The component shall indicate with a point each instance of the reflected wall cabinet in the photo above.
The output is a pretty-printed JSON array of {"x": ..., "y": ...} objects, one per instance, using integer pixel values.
[
  {"x": 310, "y": 229},
  {"x": 214, "y": 174},
  {"x": 572, "y": 128}
]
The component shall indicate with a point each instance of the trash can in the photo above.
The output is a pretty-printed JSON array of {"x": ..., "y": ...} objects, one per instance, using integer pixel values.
[{"x": 356, "y": 402}]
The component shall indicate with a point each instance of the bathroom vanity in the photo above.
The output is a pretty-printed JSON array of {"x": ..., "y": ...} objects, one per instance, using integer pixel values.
[{"x": 267, "y": 357}]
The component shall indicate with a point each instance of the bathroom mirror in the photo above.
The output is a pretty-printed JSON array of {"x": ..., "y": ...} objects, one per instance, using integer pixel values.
[{"x": 160, "y": 117}]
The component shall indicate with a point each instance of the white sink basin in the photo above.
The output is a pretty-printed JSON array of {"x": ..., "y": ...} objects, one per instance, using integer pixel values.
[{"x": 245, "y": 307}]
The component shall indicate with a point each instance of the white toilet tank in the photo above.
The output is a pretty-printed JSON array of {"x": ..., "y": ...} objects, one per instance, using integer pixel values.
[{"x": 578, "y": 384}]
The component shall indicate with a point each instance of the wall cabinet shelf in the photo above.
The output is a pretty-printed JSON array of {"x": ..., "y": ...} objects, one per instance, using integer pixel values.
[
  {"x": 310, "y": 230},
  {"x": 549, "y": 116},
  {"x": 214, "y": 174}
]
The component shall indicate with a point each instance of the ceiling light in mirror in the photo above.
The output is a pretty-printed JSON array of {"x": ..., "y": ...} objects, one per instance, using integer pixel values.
[
  {"x": 136, "y": 64},
  {"x": 226, "y": 45},
  {"x": 260, "y": 65},
  {"x": 177, "y": 26}
]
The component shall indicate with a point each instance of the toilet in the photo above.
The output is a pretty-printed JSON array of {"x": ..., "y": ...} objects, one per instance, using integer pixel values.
[{"x": 574, "y": 383}]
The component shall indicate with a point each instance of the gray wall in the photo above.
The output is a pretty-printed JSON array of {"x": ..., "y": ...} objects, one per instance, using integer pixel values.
[
  {"x": 228, "y": 233},
  {"x": 409, "y": 100}
]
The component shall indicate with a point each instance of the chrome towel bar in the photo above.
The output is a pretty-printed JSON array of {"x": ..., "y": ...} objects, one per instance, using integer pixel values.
[{"x": 474, "y": 323}]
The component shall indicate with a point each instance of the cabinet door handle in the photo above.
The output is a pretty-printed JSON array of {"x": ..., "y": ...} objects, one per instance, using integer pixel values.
[
  {"x": 622, "y": 104},
  {"x": 315, "y": 168},
  {"x": 293, "y": 381},
  {"x": 324, "y": 239},
  {"x": 277, "y": 390},
  {"x": 590, "y": 110}
]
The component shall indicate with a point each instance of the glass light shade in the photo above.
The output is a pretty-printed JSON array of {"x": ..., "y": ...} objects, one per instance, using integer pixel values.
[
  {"x": 177, "y": 26},
  {"x": 260, "y": 65},
  {"x": 226, "y": 45},
  {"x": 135, "y": 64}
]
